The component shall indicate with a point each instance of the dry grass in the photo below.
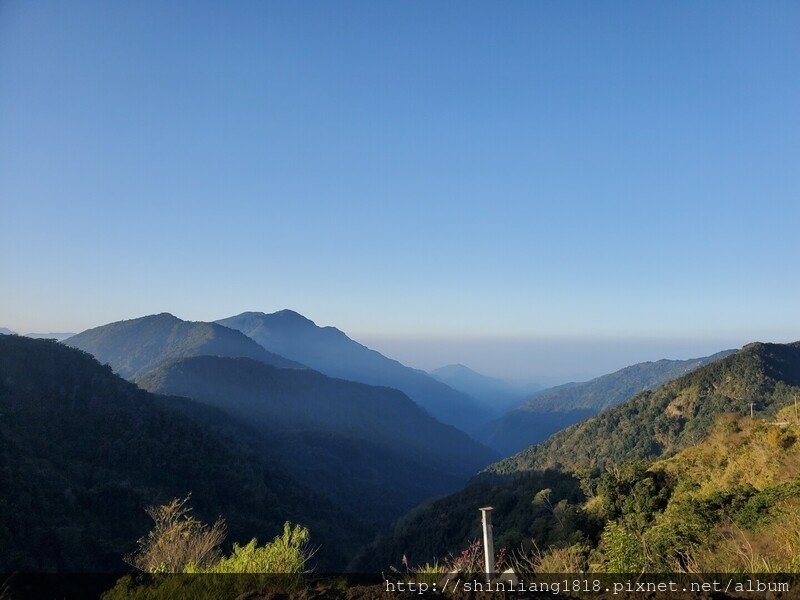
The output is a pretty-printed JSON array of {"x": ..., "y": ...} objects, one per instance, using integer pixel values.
[
  {"x": 570, "y": 559},
  {"x": 177, "y": 540},
  {"x": 774, "y": 549}
]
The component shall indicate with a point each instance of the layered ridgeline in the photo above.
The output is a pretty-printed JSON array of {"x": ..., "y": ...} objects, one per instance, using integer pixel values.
[
  {"x": 330, "y": 351},
  {"x": 721, "y": 493},
  {"x": 674, "y": 416},
  {"x": 499, "y": 395},
  {"x": 82, "y": 452},
  {"x": 56, "y": 335},
  {"x": 370, "y": 449},
  {"x": 557, "y": 408},
  {"x": 6, "y": 331},
  {"x": 134, "y": 346}
]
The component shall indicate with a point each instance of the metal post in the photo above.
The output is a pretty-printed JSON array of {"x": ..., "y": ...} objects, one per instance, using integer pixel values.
[{"x": 488, "y": 542}]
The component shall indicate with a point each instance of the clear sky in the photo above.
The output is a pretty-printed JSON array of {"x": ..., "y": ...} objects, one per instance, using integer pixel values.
[{"x": 412, "y": 170}]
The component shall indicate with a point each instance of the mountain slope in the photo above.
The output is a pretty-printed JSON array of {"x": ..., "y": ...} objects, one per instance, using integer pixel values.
[
  {"x": 726, "y": 504},
  {"x": 370, "y": 448},
  {"x": 6, "y": 331},
  {"x": 720, "y": 495},
  {"x": 559, "y": 407},
  {"x": 82, "y": 452},
  {"x": 132, "y": 347},
  {"x": 330, "y": 351},
  {"x": 673, "y": 416},
  {"x": 497, "y": 394}
]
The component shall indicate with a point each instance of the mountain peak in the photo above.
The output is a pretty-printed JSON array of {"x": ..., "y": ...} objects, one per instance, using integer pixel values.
[
  {"x": 162, "y": 316},
  {"x": 292, "y": 316},
  {"x": 134, "y": 346},
  {"x": 330, "y": 351},
  {"x": 453, "y": 368}
]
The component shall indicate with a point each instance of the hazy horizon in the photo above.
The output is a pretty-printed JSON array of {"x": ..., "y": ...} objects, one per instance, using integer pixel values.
[{"x": 547, "y": 359}]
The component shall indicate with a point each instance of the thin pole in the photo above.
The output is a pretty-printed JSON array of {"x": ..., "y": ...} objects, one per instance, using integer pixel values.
[
  {"x": 751, "y": 409},
  {"x": 488, "y": 542}
]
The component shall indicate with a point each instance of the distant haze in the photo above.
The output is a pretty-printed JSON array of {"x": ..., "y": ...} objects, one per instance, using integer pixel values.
[{"x": 548, "y": 360}]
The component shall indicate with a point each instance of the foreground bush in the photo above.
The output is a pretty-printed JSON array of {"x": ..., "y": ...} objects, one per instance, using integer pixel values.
[{"x": 177, "y": 540}]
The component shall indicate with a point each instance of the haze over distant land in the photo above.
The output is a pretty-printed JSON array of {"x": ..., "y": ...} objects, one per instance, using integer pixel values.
[
  {"x": 60, "y": 336},
  {"x": 548, "y": 361}
]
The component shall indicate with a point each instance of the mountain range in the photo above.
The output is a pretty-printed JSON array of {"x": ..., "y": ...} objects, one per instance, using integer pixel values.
[
  {"x": 58, "y": 336},
  {"x": 83, "y": 452},
  {"x": 330, "y": 351},
  {"x": 673, "y": 416},
  {"x": 665, "y": 455},
  {"x": 350, "y": 441},
  {"x": 556, "y": 408},
  {"x": 134, "y": 346},
  {"x": 721, "y": 493}
]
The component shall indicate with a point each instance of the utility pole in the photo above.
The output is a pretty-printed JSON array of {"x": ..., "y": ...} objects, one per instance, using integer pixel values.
[{"x": 488, "y": 542}]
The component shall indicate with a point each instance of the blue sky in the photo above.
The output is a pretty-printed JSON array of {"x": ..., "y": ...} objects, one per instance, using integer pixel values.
[{"x": 413, "y": 170}]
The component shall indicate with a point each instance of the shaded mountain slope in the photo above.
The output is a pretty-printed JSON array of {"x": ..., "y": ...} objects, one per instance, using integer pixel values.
[
  {"x": 330, "y": 351},
  {"x": 82, "y": 452},
  {"x": 552, "y": 410},
  {"x": 134, "y": 346},
  {"x": 370, "y": 448},
  {"x": 521, "y": 513}
]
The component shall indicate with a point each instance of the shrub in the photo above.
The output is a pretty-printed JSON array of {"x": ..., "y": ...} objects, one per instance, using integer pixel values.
[
  {"x": 177, "y": 540},
  {"x": 622, "y": 550},
  {"x": 287, "y": 553}
]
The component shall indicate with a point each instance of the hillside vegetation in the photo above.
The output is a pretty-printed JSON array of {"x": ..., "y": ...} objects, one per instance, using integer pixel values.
[
  {"x": 674, "y": 416},
  {"x": 552, "y": 410},
  {"x": 677, "y": 479}
]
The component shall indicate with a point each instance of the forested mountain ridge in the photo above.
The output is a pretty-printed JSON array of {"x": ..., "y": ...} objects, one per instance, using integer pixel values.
[
  {"x": 349, "y": 440},
  {"x": 674, "y": 416},
  {"x": 83, "y": 452},
  {"x": 678, "y": 478},
  {"x": 331, "y": 351},
  {"x": 554, "y": 409},
  {"x": 134, "y": 346},
  {"x": 609, "y": 390}
]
